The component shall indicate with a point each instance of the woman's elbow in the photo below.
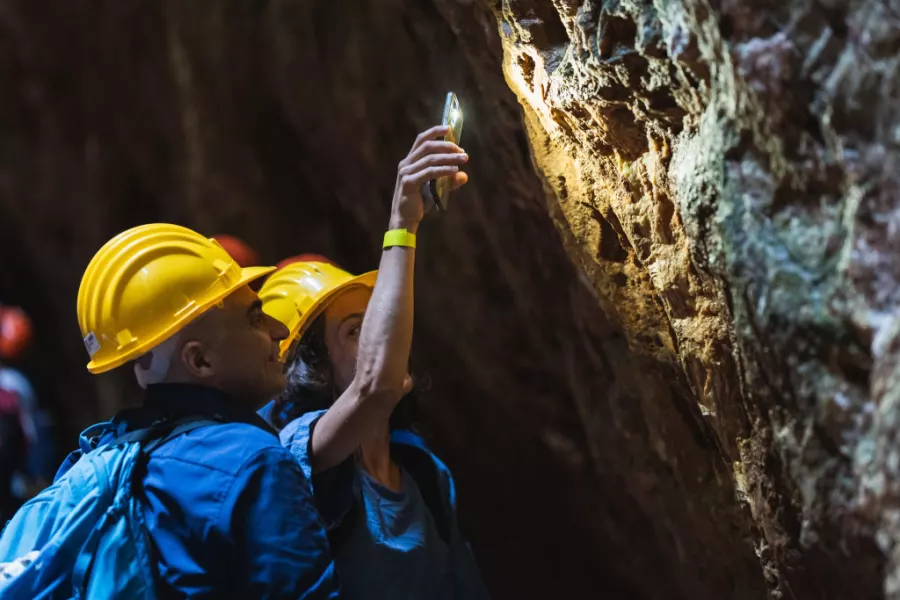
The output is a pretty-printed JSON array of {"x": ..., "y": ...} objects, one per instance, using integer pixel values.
[{"x": 374, "y": 389}]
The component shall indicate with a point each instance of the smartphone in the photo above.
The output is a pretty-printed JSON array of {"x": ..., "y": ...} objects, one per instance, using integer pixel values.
[{"x": 452, "y": 118}]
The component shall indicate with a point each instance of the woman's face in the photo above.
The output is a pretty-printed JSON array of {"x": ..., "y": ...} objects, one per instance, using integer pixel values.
[{"x": 343, "y": 321}]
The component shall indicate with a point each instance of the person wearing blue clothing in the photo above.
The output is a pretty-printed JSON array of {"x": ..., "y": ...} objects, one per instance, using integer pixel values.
[
  {"x": 15, "y": 421},
  {"x": 388, "y": 502},
  {"x": 228, "y": 511},
  {"x": 35, "y": 471},
  {"x": 23, "y": 436},
  {"x": 15, "y": 382}
]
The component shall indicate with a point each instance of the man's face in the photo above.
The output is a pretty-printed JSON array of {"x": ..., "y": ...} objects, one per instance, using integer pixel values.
[{"x": 236, "y": 349}]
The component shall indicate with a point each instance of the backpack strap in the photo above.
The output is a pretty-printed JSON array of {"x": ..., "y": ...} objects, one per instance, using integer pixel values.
[
  {"x": 182, "y": 427},
  {"x": 150, "y": 438},
  {"x": 339, "y": 535},
  {"x": 424, "y": 472},
  {"x": 162, "y": 431}
]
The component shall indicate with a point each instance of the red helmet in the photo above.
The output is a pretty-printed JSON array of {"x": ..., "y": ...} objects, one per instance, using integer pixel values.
[
  {"x": 243, "y": 255},
  {"x": 306, "y": 258},
  {"x": 15, "y": 332}
]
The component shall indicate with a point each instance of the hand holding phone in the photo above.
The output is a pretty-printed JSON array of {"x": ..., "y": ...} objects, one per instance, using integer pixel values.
[
  {"x": 431, "y": 158},
  {"x": 453, "y": 118}
]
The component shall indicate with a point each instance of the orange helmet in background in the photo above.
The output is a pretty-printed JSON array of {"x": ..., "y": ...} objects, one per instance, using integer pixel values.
[
  {"x": 15, "y": 332},
  {"x": 243, "y": 254},
  {"x": 306, "y": 258}
]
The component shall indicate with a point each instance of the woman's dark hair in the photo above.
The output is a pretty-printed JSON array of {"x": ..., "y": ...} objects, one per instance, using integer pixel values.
[{"x": 310, "y": 383}]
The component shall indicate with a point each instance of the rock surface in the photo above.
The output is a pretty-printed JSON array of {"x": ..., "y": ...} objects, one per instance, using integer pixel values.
[
  {"x": 729, "y": 172},
  {"x": 661, "y": 322}
]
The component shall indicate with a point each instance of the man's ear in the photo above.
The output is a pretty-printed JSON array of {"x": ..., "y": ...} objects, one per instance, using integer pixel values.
[{"x": 195, "y": 360}]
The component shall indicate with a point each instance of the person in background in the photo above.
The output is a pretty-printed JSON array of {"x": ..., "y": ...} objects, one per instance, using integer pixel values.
[
  {"x": 318, "y": 258},
  {"x": 389, "y": 503},
  {"x": 19, "y": 415},
  {"x": 238, "y": 249}
]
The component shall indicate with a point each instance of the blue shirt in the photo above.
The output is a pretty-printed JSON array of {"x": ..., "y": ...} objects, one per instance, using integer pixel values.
[
  {"x": 228, "y": 510},
  {"x": 403, "y": 534}
]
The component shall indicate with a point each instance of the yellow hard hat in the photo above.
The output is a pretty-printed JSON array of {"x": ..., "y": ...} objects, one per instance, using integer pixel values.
[
  {"x": 299, "y": 292},
  {"x": 146, "y": 284}
]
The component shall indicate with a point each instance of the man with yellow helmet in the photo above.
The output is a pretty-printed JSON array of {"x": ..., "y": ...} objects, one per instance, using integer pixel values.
[
  {"x": 388, "y": 502},
  {"x": 219, "y": 498}
]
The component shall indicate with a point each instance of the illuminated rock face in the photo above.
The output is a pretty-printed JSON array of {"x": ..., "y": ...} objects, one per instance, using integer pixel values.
[
  {"x": 660, "y": 321},
  {"x": 727, "y": 175}
]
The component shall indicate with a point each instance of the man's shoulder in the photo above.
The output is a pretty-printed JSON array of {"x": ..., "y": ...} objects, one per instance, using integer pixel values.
[
  {"x": 242, "y": 433},
  {"x": 224, "y": 447}
]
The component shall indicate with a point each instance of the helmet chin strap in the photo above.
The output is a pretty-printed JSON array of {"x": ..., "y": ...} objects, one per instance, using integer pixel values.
[{"x": 160, "y": 361}]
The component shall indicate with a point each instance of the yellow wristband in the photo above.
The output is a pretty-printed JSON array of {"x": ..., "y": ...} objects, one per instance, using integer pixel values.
[{"x": 399, "y": 237}]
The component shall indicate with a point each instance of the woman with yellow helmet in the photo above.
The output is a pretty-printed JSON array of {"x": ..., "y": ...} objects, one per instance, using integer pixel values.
[{"x": 387, "y": 500}]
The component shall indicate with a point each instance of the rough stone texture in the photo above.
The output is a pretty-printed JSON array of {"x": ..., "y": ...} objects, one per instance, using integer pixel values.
[
  {"x": 703, "y": 408},
  {"x": 729, "y": 172}
]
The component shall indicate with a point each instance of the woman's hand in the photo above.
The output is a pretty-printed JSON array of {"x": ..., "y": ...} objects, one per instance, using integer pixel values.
[{"x": 430, "y": 158}]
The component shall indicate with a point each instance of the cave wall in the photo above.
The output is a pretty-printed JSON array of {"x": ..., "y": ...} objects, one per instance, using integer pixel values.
[
  {"x": 726, "y": 175},
  {"x": 283, "y": 122},
  {"x": 658, "y": 323}
]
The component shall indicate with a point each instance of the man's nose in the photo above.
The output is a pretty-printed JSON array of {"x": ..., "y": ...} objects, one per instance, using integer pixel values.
[{"x": 277, "y": 329}]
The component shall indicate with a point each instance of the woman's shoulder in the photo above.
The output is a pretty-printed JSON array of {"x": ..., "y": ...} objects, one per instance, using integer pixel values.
[
  {"x": 300, "y": 429},
  {"x": 296, "y": 437}
]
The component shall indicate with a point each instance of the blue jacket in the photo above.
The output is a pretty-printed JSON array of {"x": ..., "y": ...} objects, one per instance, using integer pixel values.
[
  {"x": 334, "y": 492},
  {"x": 228, "y": 510}
]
